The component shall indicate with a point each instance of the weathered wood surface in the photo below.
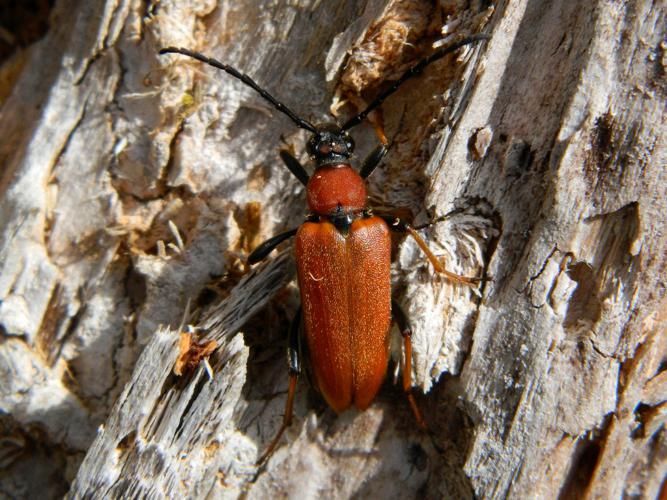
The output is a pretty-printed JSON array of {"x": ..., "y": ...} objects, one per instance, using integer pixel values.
[{"x": 550, "y": 141}]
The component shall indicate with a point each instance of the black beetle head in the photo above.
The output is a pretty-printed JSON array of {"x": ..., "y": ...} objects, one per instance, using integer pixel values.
[{"x": 330, "y": 145}]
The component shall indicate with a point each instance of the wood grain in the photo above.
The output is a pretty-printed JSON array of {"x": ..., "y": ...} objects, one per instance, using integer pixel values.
[{"x": 548, "y": 142}]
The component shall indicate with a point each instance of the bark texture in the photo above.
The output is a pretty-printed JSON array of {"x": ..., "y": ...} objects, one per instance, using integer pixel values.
[{"x": 134, "y": 185}]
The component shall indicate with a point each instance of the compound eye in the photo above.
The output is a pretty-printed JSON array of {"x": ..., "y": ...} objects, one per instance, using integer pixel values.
[{"x": 313, "y": 145}]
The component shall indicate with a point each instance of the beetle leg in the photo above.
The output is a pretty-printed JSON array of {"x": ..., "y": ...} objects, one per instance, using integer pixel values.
[
  {"x": 437, "y": 265},
  {"x": 377, "y": 121},
  {"x": 267, "y": 247},
  {"x": 438, "y": 219},
  {"x": 396, "y": 224},
  {"x": 294, "y": 370},
  {"x": 372, "y": 160},
  {"x": 294, "y": 166},
  {"x": 375, "y": 157},
  {"x": 401, "y": 320}
]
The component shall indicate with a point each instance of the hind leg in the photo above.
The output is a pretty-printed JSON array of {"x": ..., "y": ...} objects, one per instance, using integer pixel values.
[
  {"x": 294, "y": 370},
  {"x": 401, "y": 320}
]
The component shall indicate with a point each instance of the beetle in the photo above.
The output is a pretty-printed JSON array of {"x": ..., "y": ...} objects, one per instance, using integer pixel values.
[{"x": 343, "y": 256}]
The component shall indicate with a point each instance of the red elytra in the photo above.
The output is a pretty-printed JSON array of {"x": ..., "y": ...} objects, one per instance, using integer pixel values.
[{"x": 346, "y": 331}]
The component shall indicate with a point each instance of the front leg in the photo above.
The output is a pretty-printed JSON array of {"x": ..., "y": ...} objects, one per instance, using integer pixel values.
[
  {"x": 294, "y": 166},
  {"x": 372, "y": 161}
]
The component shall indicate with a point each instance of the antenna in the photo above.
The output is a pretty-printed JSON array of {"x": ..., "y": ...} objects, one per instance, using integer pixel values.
[
  {"x": 415, "y": 70},
  {"x": 300, "y": 122}
]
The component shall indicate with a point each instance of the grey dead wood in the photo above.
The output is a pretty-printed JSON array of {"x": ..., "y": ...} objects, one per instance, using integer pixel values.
[{"x": 547, "y": 143}]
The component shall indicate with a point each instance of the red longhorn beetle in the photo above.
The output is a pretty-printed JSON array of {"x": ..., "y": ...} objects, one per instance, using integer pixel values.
[{"x": 343, "y": 262}]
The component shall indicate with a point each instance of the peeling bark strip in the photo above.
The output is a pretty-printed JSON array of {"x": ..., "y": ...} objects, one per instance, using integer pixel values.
[{"x": 548, "y": 145}]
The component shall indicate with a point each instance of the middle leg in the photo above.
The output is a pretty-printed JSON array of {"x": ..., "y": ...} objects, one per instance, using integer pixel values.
[
  {"x": 398, "y": 225},
  {"x": 268, "y": 246}
]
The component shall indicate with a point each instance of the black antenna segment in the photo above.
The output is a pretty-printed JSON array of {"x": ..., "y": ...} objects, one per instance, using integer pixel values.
[
  {"x": 300, "y": 122},
  {"x": 415, "y": 70}
]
